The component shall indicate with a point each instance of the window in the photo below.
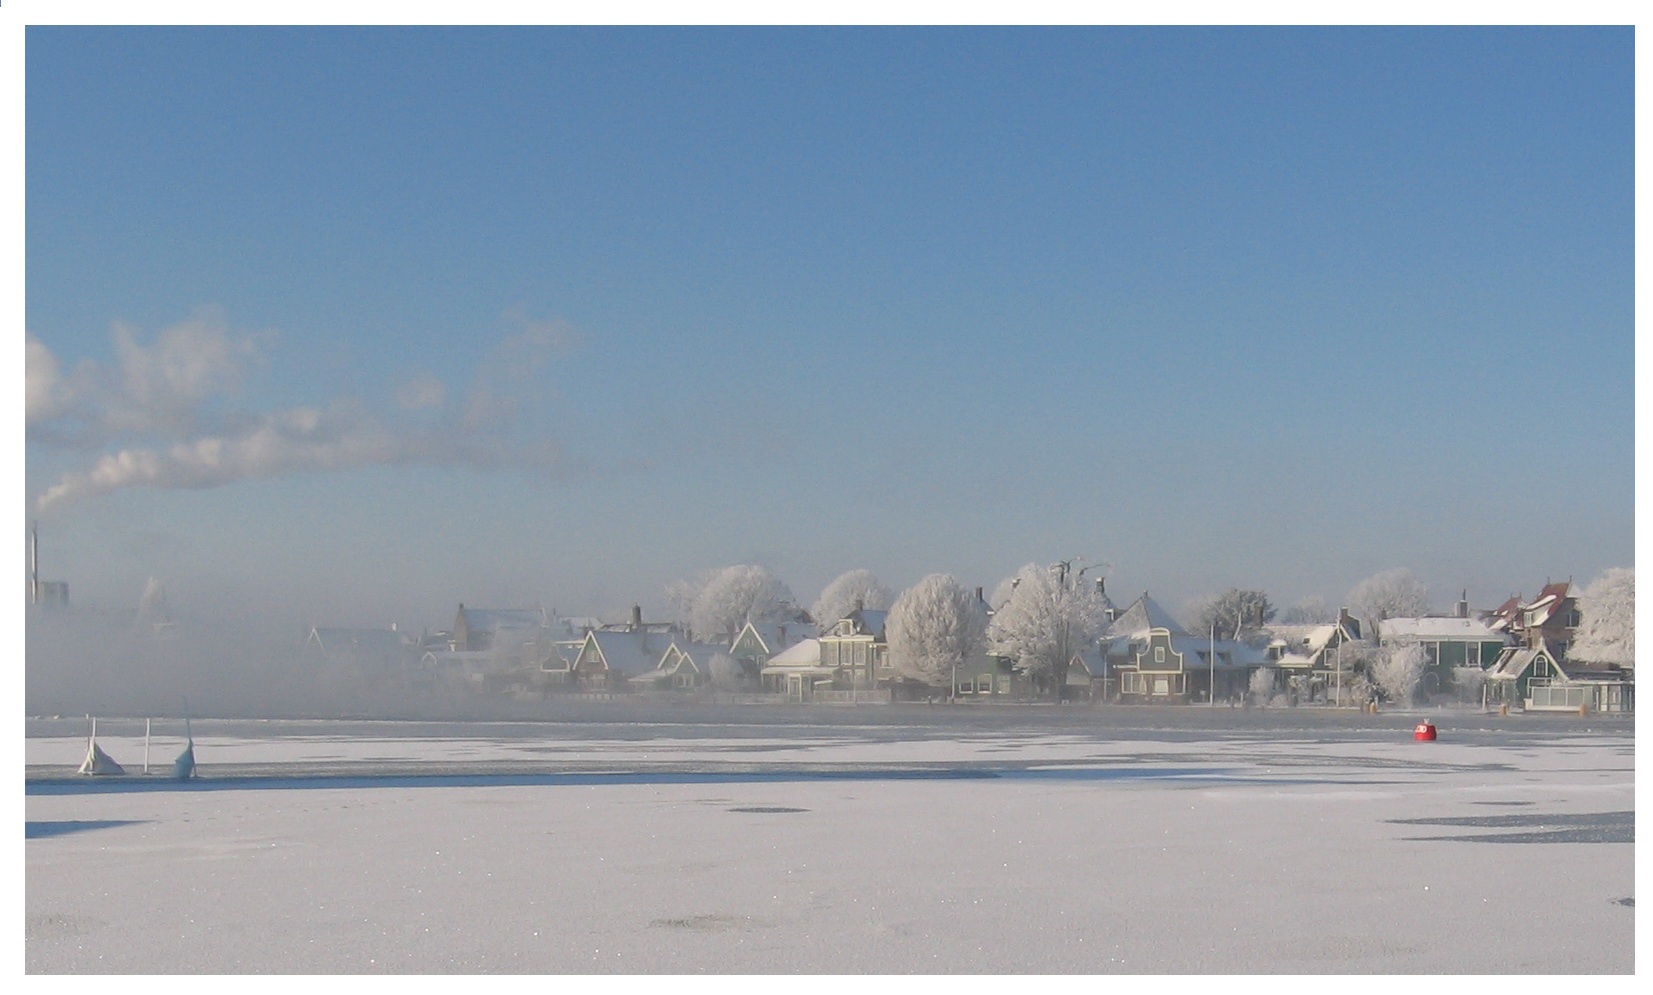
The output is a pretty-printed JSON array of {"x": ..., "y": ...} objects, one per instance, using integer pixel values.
[{"x": 1159, "y": 654}]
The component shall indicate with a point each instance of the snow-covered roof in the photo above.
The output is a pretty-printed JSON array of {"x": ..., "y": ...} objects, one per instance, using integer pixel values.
[
  {"x": 1548, "y": 602},
  {"x": 1195, "y": 651},
  {"x": 628, "y": 653},
  {"x": 1513, "y": 663},
  {"x": 1313, "y": 637},
  {"x": 776, "y": 636},
  {"x": 800, "y": 654},
  {"x": 1433, "y": 628},
  {"x": 1144, "y": 614},
  {"x": 699, "y": 655},
  {"x": 862, "y": 622}
]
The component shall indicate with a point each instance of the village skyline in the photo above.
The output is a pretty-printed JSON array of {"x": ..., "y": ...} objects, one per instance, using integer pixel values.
[{"x": 354, "y": 324}]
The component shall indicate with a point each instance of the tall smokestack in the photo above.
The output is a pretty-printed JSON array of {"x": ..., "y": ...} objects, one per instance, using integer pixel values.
[{"x": 34, "y": 563}]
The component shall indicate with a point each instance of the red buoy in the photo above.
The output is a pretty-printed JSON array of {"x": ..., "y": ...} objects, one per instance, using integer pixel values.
[{"x": 1424, "y": 733}]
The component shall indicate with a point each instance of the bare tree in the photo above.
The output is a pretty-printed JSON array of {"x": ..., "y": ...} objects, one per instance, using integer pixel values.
[
  {"x": 1607, "y": 620},
  {"x": 1234, "y": 611},
  {"x": 1046, "y": 615},
  {"x": 719, "y": 603},
  {"x": 1391, "y": 594},
  {"x": 934, "y": 628},
  {"x": 855, "y": 589},
  {"x": 1309, "y": 611}
]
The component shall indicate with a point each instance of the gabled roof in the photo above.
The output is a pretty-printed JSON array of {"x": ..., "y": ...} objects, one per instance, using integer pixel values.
[
  {"x": 1195, "y": 651},
  {"x": 1515, "y": 661},
  {"x": 698, "y": 656},
  {"x": 1505, "y": 615},
  {"x": 1089, "y": 660},
  {"x": 1544, "y": 607},
  {"x": 627, "y": 653},
  {"x": 563, "y": 654},
  {"x": 863, "y": 622},
  {"x": 1144, "y": 614},
  {"x": 1307, "y": 639},
  {"x": 776, "y": 636},
  {"x": 804, "y": 653}
]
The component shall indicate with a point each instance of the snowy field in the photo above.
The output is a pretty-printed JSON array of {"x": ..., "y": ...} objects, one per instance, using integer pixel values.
[{"x": 850, "y": 840}]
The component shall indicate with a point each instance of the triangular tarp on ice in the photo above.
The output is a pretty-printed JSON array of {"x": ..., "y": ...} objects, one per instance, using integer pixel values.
[
  {"x": 99, "y": 762},
  {"x": 184, "y": 767}
]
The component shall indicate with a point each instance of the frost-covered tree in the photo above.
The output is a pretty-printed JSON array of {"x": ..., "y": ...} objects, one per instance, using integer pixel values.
[
  {"x": 1398, "y": 670},
  {"x": 857, "y": 588},
  {"x": 719, "y": 603},
  {"x": 934, "y": 627},
  {"x": 1233, "y": 612},
  {"x": 1391, "y": 594},
  {"x": 1262, "y": 683},
  {"x": 1046, "y": 615},
  {"x": 725, "y": 672},
  {"x": 1607, "y": 620},
  {"x": 1467, "y": 682},
  {"x": 1351, "y": 663}
]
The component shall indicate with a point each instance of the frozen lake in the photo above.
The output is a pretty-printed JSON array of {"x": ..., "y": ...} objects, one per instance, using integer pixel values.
[{"x": 657, "y": 839}]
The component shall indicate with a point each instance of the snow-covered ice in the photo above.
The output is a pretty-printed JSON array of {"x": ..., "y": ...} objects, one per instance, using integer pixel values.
[{"x": 869, "y": 840}]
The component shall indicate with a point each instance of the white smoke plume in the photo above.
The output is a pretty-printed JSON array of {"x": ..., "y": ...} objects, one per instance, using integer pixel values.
[{"x": 158, "y": 418}]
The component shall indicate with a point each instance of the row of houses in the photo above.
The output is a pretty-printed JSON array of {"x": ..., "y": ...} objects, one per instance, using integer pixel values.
[{"x": 1516, "y": 653}]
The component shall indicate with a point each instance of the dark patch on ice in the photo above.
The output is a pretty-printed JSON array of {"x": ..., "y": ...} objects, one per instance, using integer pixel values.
[
  {"x": 698, "y": 924},
  {"x": 1628, "y": 903},
  {"x": 764, "y": 809},
  {"x": 1586, "y": 827},
  {"x": 41, "y": 830},
  {"x": 57, "y": 926},
  {"x": 1525, "y": 819}
]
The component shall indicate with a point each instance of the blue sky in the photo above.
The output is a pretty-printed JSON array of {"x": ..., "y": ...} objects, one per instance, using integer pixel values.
[{"x": 1274, "y": 308}]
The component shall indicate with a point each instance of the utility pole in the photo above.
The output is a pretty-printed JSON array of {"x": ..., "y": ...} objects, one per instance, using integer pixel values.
[{"x": 1212, "y": 693}]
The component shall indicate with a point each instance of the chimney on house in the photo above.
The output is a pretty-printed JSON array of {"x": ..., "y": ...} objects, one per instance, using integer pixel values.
[
  {"x": 636, "y": 617},
  {"x": 978, "y": 595},
  {"x": 1463, "y": 604}
]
